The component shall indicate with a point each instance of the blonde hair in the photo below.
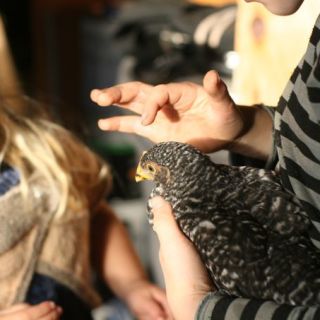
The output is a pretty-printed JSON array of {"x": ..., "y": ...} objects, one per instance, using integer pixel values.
[{"x": 30, "y": 142}]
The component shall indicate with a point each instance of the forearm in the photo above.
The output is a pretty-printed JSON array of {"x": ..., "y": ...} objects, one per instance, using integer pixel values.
[
  {"x": 114, "y": 255},
  {"x": 256, "y": 138}
]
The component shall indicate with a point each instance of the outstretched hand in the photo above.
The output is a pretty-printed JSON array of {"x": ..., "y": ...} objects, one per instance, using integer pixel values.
[
  {"x": 185, "y": 276},
  {"x": 204, "y": 116},
  {"x": 148, "y": 301}
]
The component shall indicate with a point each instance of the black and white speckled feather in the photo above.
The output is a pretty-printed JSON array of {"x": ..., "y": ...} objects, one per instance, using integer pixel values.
[{"x": 251, "y": 235}]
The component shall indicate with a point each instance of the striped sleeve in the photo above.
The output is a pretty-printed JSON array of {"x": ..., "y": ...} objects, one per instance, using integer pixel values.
[
  {"x": 297, "y": 133},
  {"x": 221, "y": 307}
]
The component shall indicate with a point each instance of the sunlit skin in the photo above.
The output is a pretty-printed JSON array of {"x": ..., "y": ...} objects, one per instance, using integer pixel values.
[{"x": 280, "y": 7}]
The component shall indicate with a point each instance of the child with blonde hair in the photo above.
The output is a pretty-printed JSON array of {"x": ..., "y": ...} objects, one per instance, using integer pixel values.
[{"x": 55, "y": 223}]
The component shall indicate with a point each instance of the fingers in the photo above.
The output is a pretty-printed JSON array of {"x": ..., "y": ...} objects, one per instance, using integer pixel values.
[
  {"x": 145, "y": 100},
  {"x": 211, "y": 80},
  {"x": 128, "y": 95},
  {"x": 164, "y": 223},
  {"x": 43, "y": 311},
  {"x": 215, "y": 87},
  {"x": 163, "y": 301},
  {"x": 159, "y": 96},
  {"x": 116, "y": 94},
  {"x": 175, "y": 96},
  {"x": 127, "y": 124},
  {"x": 106, "y": 97},
  {"x": 171, "y": 238},
  {"x": 154, "y": 310},
  {"x": 147, "y": 301}
]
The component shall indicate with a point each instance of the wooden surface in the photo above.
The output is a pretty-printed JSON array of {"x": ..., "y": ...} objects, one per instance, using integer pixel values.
[{"x": 269, "y": 48}]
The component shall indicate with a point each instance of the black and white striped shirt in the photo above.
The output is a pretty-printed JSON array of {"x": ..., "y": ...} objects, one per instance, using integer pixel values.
[
  {"x": 297, "y": 133},
  {"x": 297, "y": 153}
]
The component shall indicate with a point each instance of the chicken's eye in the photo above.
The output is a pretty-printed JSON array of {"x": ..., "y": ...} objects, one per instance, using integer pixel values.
[{"x": 151, "y": 168}]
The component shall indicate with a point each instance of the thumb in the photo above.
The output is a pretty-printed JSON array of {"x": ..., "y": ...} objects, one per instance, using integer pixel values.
[
  {"x": 164, "y": 223},
  {"x": 215, "y": 87}
]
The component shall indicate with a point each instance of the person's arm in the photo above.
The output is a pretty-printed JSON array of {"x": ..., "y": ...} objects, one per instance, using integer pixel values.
[
  {"x": 117, "y": 263},
  {"x": 189, "y": 290},
  {"x": 204, "y": 116},
  {"x": 186, "y": 279},
  {"x": 43, "y": 311},
  {"x": 256, "y": 140}
]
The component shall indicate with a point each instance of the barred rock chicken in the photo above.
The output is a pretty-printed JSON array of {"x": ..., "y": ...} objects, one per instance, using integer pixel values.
[{"x": 250, "y": 233}]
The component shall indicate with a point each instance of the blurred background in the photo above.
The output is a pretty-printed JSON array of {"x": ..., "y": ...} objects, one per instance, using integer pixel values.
[{"x": 59, "y": 50}]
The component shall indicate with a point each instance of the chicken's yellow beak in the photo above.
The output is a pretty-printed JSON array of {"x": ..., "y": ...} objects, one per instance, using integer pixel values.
[{"x": 142, "y": 174}]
